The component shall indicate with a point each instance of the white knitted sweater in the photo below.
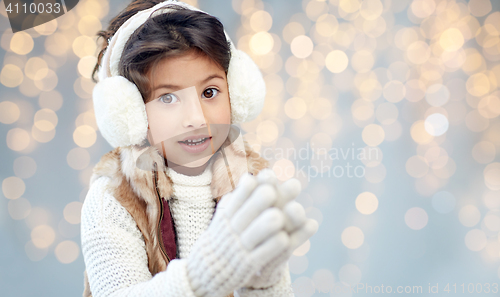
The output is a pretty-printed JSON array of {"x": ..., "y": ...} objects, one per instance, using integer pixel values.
[{"x": 114, "y": 250}]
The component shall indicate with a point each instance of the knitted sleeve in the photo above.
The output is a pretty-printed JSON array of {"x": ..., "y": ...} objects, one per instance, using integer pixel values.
[
  {"x": 283, "y": 288},
  {"x": 114, "y": 252}
]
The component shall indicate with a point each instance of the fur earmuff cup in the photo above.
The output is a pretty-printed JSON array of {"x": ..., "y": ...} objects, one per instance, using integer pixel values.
[
  {"x": 247, "y": 88},
  {"x": 120, "y": 112}
]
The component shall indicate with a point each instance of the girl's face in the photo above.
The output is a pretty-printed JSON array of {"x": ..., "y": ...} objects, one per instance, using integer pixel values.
[{"x": 190, "y": 100}]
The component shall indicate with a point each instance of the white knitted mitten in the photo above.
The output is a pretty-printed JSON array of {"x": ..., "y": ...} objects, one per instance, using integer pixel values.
[
  {"x": 299, "y": 227},
  {"x": 245, "y": 233}
]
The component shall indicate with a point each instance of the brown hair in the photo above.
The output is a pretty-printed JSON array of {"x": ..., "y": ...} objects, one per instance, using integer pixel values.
[{"x": 166, "y": 35}]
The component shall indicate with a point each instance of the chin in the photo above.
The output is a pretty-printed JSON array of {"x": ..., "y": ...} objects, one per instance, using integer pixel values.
[{"x": 198, "y": 163}]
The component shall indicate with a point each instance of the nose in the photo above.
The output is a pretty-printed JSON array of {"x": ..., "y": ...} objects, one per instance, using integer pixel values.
[{"x": 194, "y": 115}]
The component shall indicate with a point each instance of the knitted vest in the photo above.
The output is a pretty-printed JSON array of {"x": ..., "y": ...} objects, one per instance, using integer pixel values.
[{"x": 140, "y": 184}]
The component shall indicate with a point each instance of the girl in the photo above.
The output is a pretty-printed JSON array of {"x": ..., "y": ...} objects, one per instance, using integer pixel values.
[{"x": 154, "y": 222}]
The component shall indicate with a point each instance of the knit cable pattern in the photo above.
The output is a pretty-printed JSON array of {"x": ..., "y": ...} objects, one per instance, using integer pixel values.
[
  {"x": 219, "y": 263},
  {"x": 192, "y": 207},
  {"x": 281, "y": 288}
]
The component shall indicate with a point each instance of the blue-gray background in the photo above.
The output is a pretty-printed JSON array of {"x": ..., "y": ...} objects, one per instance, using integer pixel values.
[{"x": 389, "y": 253}]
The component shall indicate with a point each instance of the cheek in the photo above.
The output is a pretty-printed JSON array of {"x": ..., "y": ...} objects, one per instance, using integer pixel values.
[
  {"x": 160, "y": 124},
  {"x": 221, "y": 113},
  {"x": 227, "y": 111}
]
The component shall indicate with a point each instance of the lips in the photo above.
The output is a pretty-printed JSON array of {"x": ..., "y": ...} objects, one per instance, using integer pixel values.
[{"x": 194, "y": 138}]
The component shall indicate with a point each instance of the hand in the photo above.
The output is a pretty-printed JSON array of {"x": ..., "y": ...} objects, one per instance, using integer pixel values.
[
  {"x": 245, "y": 233},
  {"x": 297, "y": 225}
]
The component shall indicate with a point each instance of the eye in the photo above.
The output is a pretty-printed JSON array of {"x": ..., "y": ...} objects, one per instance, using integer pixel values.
[
  {"x": 210, "y": 93},
  {"x": 168, "y": 98}
]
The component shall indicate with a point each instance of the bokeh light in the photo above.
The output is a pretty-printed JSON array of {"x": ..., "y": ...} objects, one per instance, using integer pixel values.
[
  {"x": 416, "y": 218},
  {"x": 366, "y": 203},
  {"x": 34, "y": 65},
  {"x": 43, "y": 236},
  {"x": 38, "y": 216},
  {"x": 484, "y": 152},
  {"x": 436, "y": 124},
  {"x": 451, "y": 39},
  {"x": 51, "y": 99},
  {"x": 84, "y": 136},
  {"x": 303, "y": 249},
  {"x": 34, "y": 253},
  {"x": 267, "y": 131},
  {"x": 45, "y": 120},
  {"x": 479, "y": 8},
  {"x": 86, "y": 65},
  {"x": 394, "y": 91},
  {"x": 11, "y": 76},
  {"x": 13, "y": 187},
  {"x": 492, "y": 176},
  {"x": 45, "y": 80},
  {"x": 19, "y": 209},
  {"x": 492, "y": 221},
  {"x": 352, "y": 237},
  {"x": 261, "y": 43},
  {"x": 295, "y": 108},
  {"x": 21, "y": 43},
  {"x": 373, "y": 135},
  {"x": 46, "y": 28},
  {"x": 72, "y": 212},
  {"x": 24, "y": 167},
  {"x": 88, "y": 25},
  {"x": 78, "y": 158},
  {"x": 475, "y": 240},
  {"x": 84, "y": 46},
  {"x": 9, "y": 112},
  {"x": 469, "y": 215},
  {"x": 302, "y": 46},
  {"x": 336, "y": 61},
  {"x": 67, "y": 251}
]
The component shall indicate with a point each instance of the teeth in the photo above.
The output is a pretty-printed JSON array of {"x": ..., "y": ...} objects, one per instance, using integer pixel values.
[{"x": 194, "y": 141}]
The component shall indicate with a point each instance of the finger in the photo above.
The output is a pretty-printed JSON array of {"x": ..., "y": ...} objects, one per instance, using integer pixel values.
[
  {"x": 287, "y": 191},
  {"x": 263, "y": 197},
  {"x": 268, "y": 223},
  {"x": 300, "y": 236},
  {"x": 270, "y": 248},
  {"x": 295, "y": 216},
  {"x": 240, "y": 194},
  {"x": 292, "y": 187},
  {"x": 267, "y": 175}
]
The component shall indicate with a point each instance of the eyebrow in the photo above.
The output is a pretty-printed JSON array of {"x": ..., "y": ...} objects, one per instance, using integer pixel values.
[{"x": 175, "y": 87}]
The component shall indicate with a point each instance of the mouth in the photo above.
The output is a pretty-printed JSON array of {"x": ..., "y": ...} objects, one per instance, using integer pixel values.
[
  {"x": 195, "y": 145},
  {"x": 196, "y": 141}
]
